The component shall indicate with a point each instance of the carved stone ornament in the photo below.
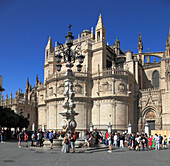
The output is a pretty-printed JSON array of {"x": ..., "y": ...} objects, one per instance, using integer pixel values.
[
  {"x": 60, "y": 89},
  {"x": 150, "y": 115},
  {"x": 105, "y": 87},
  {"x": 72, "y": 124},
  {"x": 121, "y": 87},
  {"x": 78, "y": 89},
  {"x": 64, "y": 124}
]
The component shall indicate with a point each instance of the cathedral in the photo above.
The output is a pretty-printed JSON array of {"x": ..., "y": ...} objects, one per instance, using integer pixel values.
[{"x": 114, "y": 86}]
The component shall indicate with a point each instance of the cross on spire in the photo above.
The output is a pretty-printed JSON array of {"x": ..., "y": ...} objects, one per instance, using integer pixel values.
[{"x": 70, "y": 27}]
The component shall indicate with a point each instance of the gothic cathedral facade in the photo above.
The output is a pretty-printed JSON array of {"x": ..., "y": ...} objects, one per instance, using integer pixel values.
[{"x": 113, "y": 87}]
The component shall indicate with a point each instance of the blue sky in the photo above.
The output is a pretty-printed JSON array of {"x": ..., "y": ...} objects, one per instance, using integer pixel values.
[{"x": 25, "y": 26}]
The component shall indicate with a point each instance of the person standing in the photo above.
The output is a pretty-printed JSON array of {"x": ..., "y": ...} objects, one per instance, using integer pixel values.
[
  {"x": 160, "y": 140},
  {"x": 137, "y": 140},
  {"x": 26, "y": 139},
  {"x": 165, "y": 142},
  {"x": 86, "y": 139},
  {"x": 2, "y": 136},
  {"x": 51, "y": 136},
  {"x": 72, "y": 141},
  {"x": 115, "y": 140},
  {"x": 143, "y": 141},
  {"x": 110, "y": 143},
  {"x": 121, "y": 141},
  {"x": 107, "y": 136},
  {"x": 150, "y": 142},
  {"x": 66, "y": 144},
  {"x": 19, "y": 139},
  {"x": 156, "y": 138}
]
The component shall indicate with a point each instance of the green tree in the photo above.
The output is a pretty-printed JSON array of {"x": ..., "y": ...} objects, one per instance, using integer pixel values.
[{"x": 9, "y": 119}]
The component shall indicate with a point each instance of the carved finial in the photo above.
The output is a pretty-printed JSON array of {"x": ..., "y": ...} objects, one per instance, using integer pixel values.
[
  {"x": 148, "y": 50},
  {"x": 154, "y": 60}
]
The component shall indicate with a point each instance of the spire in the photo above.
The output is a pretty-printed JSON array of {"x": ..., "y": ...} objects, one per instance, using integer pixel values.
[
  {"x": 100, "y": 32},
  {"x": 50, "y": 45},
  {"x": 100, "y": 24},
  {"x": 27, "y": 85},
  {"x": 36, "y": 80},
  {"x": 140, "y": 43}
]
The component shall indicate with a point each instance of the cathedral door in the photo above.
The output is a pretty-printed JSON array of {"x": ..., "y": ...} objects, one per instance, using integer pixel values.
[{"x": 151, "y": 124}]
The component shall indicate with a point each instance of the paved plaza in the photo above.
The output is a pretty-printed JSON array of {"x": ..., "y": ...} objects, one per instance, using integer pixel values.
[{"x": 11, "y": 155}]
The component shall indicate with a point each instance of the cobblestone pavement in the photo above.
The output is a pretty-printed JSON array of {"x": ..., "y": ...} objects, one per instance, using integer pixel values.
[{"x": 11, "y": 155}]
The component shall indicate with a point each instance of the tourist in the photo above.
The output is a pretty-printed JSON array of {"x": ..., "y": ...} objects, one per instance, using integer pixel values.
[
  {"x": 32, "y": 136},
  {"x": 143, "y": 141},
  {"x": 39, "y": 137},
  {"x": 169, "y": 140},
  {"x": 66, "y": 148},
  {"x": 34, "y": 139},
  {"x": 150, "y": 142},
  {"x": 115, "y": 140},
  {"x": 109, "y": 143},
  {"x": 121, "y": 141},
  {"x": 86, "y": 140},
  {"x": 19, "y": 139},
  {"x": 137, "y": 140},
  {"x": 2, "y": 136},
  {"x": 160, "y": 140},
  {"x": 72, "y": 141},
  {"x": 153, "y": 145},
  {"x": 100, "y": 138},
  {"x": 156, "y": 138},
  {"x": 165, "y": 142},
  {"x": 51, "y": 136},
  {"x": 107, "y": 135},
  {"x": 26, "y": 139},
  {"x": 128, "y": 139},
  {"x": 147, "y": 142}
]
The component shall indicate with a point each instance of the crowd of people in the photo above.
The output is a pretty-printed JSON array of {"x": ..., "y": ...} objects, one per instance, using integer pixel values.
[{"x": 131, "y": 141}]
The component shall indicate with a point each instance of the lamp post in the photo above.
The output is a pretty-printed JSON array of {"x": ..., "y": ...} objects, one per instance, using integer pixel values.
[{"x": 69, "y": 56}]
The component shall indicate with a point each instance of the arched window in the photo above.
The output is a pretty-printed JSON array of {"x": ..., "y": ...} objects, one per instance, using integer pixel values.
[
  {"x": 155, "y": 79},
  {"x": 98, "y": 36}
]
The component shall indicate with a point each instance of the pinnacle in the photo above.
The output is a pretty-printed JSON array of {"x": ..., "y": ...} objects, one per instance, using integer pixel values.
[
  {"x": 50, "y": 45},
  {"x": 100, "y": 24}
]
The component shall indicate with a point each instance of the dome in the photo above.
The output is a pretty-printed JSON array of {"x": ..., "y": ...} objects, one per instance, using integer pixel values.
[{"x": 86, "y": 30}]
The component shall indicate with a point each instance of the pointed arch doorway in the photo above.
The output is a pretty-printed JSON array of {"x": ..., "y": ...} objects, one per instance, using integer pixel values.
[{"x": 150, "y": 119}]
